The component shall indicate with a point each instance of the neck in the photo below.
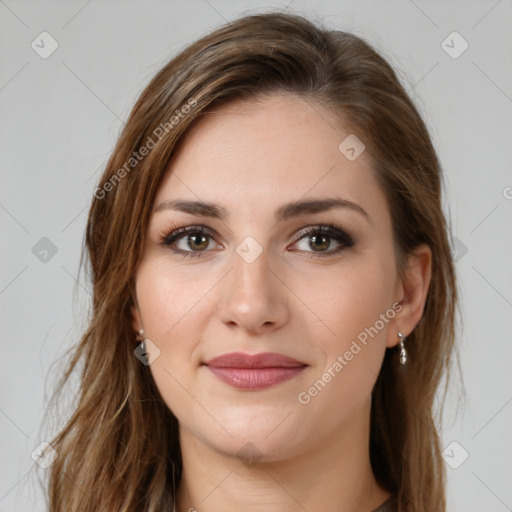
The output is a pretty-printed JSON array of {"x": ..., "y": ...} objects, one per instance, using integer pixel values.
[{"x": 333, "y": 474}]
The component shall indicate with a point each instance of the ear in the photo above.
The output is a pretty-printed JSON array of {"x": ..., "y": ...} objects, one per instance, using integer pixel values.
[
  {"x": 136, "y": 323},
  {"x": 134, "y": 309},
  {"x": 411, "y": 293}
]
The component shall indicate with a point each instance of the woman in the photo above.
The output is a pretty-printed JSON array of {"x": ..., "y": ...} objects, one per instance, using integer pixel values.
[{"x": 274, "y": 291}]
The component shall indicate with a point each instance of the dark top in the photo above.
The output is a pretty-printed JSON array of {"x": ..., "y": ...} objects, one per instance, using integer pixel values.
[{"x": 388, "y": 506}]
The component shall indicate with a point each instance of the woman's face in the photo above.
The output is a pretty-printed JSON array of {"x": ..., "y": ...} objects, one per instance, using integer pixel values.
[{"x": 263, "y": 278}]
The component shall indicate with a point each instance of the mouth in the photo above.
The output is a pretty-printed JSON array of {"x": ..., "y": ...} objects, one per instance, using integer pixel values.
[{"x": 254, "y": 372}]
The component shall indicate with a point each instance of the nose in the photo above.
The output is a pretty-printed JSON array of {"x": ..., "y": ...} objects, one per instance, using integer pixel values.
[{"x": 254, "y": 296}]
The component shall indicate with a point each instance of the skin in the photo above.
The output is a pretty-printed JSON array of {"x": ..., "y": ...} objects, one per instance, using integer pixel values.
[{"x": 250, "y": 158}]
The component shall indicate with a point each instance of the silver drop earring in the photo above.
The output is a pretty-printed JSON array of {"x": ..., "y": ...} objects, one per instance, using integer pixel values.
[
  {"x": 403, "y": 353},
  {"x": 142, "y": 339}
]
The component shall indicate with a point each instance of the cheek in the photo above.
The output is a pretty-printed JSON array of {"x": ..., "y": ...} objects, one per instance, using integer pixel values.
[
  {"x": 175, "y": 302},
  {"x": 172, "y": 303},
  {"x": 354, "y": 309},
  {"x": 169, "y": 299},
  {"x": 349, "y": 299},
  {"x": 352, "y": 354}
]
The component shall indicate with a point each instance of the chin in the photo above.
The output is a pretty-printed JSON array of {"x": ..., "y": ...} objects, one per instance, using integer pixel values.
[
  {"x": 252, "y": 449},
  {"x": 269, "y": 435}
]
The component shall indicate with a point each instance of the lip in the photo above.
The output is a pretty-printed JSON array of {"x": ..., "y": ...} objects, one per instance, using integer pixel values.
[{"x": 254, "y": 371}]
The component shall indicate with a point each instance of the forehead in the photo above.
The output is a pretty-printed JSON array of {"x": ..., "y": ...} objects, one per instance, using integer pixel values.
[{"x": 254, "y": 155}]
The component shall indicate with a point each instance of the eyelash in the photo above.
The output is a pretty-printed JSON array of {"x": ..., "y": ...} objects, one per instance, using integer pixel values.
[{"x": 332, "y": 232}]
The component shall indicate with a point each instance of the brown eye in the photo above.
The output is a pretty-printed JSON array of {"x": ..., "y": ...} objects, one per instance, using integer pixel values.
[
  {"x": 320, "y": 242},
  {"x": 320, "y": 238},
  {"x": 197, "y": 242},
  {"x": 190, "y": 241}
]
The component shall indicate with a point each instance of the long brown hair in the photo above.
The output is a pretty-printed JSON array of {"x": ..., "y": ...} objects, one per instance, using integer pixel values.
[{"x": 119, "y": 449}]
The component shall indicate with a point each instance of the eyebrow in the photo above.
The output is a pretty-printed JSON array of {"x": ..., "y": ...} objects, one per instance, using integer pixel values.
[{"x": 285, "y": 212}]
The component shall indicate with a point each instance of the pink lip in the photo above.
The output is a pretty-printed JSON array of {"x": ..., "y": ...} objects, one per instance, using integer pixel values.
[{"x": 253, "y": 372}]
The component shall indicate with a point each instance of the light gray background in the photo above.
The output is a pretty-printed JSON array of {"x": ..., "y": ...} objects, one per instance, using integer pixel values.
[{"x": 59, "y": 119}]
